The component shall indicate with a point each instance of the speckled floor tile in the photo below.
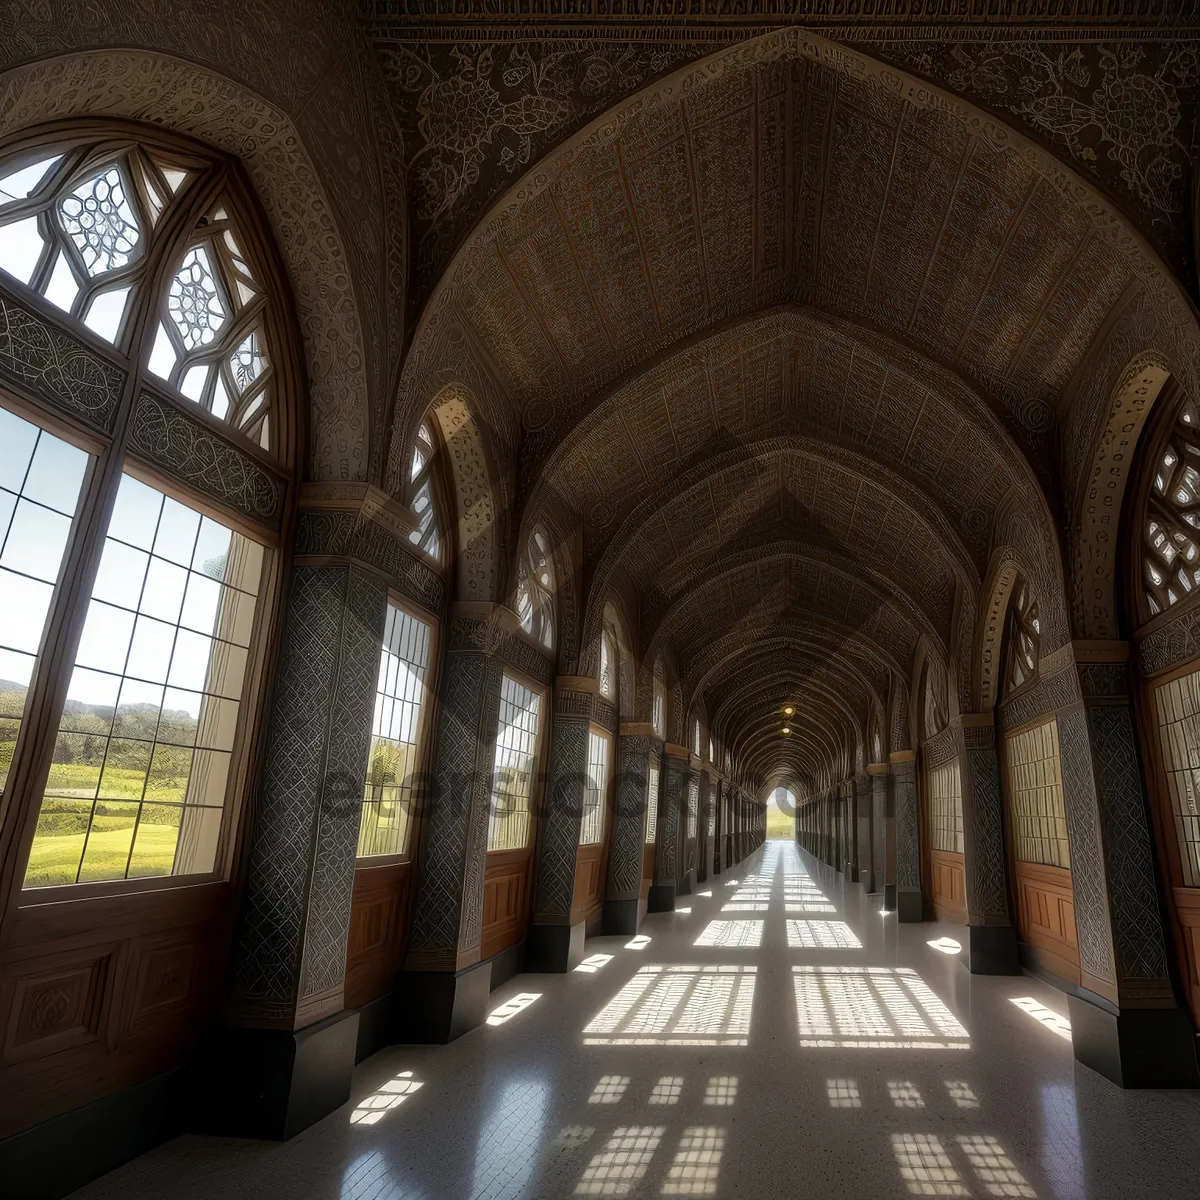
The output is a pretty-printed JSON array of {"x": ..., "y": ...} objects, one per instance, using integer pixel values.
[{"x": 782, "y": 1039}]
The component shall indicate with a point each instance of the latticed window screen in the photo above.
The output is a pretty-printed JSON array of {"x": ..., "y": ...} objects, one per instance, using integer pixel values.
[
  {"x": 1036, "y": 797},
  {"x": 652, "y": 772},
  {"x": 391, "y": 770},
  {"x": 945, "y": 807},
  {"x": 608, "y": 656},
  {"x": 591, "y": 828},
  {"x": 1178, "y": 705},
  {"x": 138, "y": 778},
  {"x": 693, "y": 808},
  {"x": 512, "y": 777}
]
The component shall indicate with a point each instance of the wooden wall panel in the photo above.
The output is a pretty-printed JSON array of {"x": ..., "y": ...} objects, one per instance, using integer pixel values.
[
  {"x": 506, "y": 893},
  {"x": 379, "y": 911},
  {"x": 1046, "y": 917},
  {"x": 104, "y": 992},
  {"x": 589, "y": 883},
  {"x": 948, "y": 874}
]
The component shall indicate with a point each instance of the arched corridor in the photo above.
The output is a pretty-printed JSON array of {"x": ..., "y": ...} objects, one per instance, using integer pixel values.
[
  {"x": 558, "y": 556},
  {"x": 776, "y": 1036}
]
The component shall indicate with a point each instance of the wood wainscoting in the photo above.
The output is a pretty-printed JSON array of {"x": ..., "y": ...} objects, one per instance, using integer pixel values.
[
  {"x": 101, "y": 993},
  {"x": 379, "y": 912},
  {"x": 949, "y": 876},
  {"x": 1046, "y": 917},
  {"x": 1187, "y": 916},
  {"x": 589, "y": 882},
  {"x": 506, "y": 894}
]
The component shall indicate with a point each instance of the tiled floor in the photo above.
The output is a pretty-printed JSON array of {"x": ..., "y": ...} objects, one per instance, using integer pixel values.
[{"x": 781, "y": 1039}]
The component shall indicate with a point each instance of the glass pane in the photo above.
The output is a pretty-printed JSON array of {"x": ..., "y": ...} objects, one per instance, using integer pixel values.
[
  {"x": 152, "y": 708},
  {"x": 391, "y": 769},
  {"x": 98, "y": 217},
  {"x": 20, "y": 248}
]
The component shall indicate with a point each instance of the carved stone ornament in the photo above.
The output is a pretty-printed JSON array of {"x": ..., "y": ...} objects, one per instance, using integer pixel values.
[{"x": 185, "y": 447}]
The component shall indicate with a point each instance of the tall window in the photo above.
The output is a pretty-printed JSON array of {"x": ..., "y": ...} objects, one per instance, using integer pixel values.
[
  {"x": 535, "y": 589},
  {"x": 608, "y": 664},
  {"x": 712, "y": 750},
  {"x": 138, "y": 780},
  {"x": 1035, "y": 781},
  {"x": 652, "y": 772},
  {"x": 512, "y": 777},
  {"x": 1024, "y": 634},
  {"x": 143, "y": 761},
  {"x": 693, "y": 805},
  {"x": 696, "y": 736},
  {"x": 40, "y": 480},
  {"x": 395, "y": 736},
  {"x": 425, "y": 536},
  {"x": 1171, "y": 547},
  {"x": 1178, "y": 708},
  {"x": 945, "y": 804},
  {"x": 591, "y": 828}
]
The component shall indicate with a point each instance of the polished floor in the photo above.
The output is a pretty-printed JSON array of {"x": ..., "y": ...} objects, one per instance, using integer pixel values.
[{"x": 776, "y": 1036}]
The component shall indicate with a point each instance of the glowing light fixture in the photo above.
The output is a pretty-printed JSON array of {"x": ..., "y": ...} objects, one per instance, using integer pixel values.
[
  {"x": 510, "y": 1008},
  {"x": 788, "y": 710},
  {"x": 786, "y": 729}
]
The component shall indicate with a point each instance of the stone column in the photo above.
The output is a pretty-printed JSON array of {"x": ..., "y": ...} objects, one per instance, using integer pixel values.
[
  {"x": 285, "y": 1058},
  {"x": 864, "y": 805},
  {"x": 1125, "y": 1021},
  {"x": 444, "y": 988},
  {"x": 689, "y": 794},
  {"x": 623, "y": 903},
  {"x": 881, "y": 878},
  {"x": 703, "y": 850},
  {"x": 555, "y": 939},
  {"x": 907, "y": 840},
  {"x": 992, "y": 938},
  {"x": 718, "y": 795},
  {"x": 666, "y": 860}
]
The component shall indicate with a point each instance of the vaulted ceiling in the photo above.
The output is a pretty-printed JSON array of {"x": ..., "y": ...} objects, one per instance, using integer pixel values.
[{"x": 790, "y": 338}]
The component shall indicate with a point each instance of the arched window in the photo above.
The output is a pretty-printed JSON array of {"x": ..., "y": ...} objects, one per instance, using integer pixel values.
[
  {"x": 712, "y": 749},
  {"x": 535, "y": 589},
  {"x": 1171, "y": 547},
  {"x": 696, "y": 737},
  {"x": 608, "y": 663},
  {"x": 425, "y": 536},
  {"x": 1024, "y": 638},
  {"x": 142, "y": 479},
  {"x": 658, "y": 711}
]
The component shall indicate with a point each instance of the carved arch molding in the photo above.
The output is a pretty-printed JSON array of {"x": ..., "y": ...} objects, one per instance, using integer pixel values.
[{"x": 193, "y": 100}]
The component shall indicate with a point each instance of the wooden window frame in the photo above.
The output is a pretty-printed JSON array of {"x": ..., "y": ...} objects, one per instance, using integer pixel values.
[{"x": 426, "y": 726}]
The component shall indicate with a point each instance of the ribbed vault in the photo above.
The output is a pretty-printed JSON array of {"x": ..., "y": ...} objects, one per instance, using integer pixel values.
[{"x": 791, "y": 341}]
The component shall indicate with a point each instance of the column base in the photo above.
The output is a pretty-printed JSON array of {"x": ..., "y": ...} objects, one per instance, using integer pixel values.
[
  {"x": 909, "y": 905},
  {"x": 1135, "y": 1047},
  {"x": 992, "y": 950},
  {"x": 661, "y": 898},
  {"x": 623, "y": 917},
  {"x": 273, "y": 1083},
  {"x": 684, "y": 886},
  {"x": 867, "y": 883},
  {"x": 554, "y": 949},
  {"x": 438, "y": 1006},
  {"x": 889, "y": 897},
  {"x": 850, "y": 871}
]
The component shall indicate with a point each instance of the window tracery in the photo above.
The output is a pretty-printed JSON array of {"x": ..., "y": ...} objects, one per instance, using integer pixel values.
[
  {"x": 1171, "y": 545},
  {"x": 425, "y": 537},
  {"x": 608, "y": 663},
  {"x": 209, "y": 344},
  {"x": 148, "y": 739},
  {"x": 535, "y": 589},
  {"x": 1025, "y": 631},
  {"x": 77, "y": 225}
]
